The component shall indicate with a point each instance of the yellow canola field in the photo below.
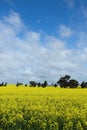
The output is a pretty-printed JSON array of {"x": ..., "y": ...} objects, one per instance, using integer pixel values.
[{"x": 27, "y": 108}]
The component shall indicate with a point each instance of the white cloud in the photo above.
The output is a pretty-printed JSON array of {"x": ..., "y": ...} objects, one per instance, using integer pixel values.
[
  {"x": 82, "y": 42},
  {"x": 13, "y": 20},
  {"x": 27, "y": 58},
  {"x": 65, "y": 31}
]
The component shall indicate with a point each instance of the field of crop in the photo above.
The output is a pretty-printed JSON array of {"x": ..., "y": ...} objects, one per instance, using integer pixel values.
[{"x": 27, "y": 108}]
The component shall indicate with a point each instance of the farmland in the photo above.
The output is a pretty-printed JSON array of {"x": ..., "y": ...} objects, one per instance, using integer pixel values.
[{"x": 28, "y": 108}]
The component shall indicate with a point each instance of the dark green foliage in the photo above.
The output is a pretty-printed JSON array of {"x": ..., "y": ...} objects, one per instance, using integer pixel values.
[
  {"x": 64, "y": 81},
  {"x": 83, "y": 84},
  {"x": 73, "y": 83},
  {"x": 44, "y": 84},
  {"x": 55, "y": 85},
  {"x": 33, "y": 83}
]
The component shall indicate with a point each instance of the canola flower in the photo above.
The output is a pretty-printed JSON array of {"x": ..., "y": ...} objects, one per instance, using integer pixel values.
[{"x": 27, "y": 108}]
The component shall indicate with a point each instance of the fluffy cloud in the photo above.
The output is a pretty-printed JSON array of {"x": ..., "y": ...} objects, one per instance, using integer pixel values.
[{"x": 24, "y": 56}]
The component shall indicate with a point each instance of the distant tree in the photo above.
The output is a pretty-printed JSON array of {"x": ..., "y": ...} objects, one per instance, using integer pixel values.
[
  {"x": 83, "y": 84},
  {"x": 55, "y": 85},
  {"x": 44, "y": 84},
  {"x": 64, "y": 81},
  {"x": 5, "y": 84},
  {"x": 2, "y": 84},
  {"x": 25, "y": 85},
  {"x": 73, "y": 83},
  {"x": 67, "y": 77},
  {"x": 18, "y": 83},
  {"x": 33, "y": 83},
  {"x": 39, "y": 84}
]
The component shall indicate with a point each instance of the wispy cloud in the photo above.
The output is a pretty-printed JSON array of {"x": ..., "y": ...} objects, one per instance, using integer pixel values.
[
  {"x": 24, "y": 57},
  {"x": 70, "y": 3},
  {"x": 10, "y": 2},
  {"x": 39, "y": 20},
  {"x": 65, "y": 31},
  {"x": 83, "y": 11}
]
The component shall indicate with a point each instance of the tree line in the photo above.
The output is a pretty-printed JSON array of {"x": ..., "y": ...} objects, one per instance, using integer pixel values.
[{"x": 63, "y": 82}]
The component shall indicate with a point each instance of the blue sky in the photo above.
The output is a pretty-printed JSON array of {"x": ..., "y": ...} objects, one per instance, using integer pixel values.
[{"x": 43, "y": 40}]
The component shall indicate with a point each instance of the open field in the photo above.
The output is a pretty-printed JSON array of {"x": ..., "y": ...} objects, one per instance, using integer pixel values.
[{"x": 27, "y": 108}]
